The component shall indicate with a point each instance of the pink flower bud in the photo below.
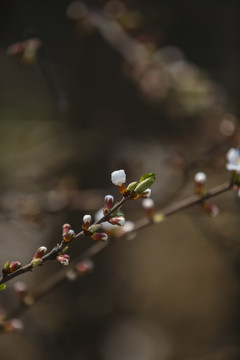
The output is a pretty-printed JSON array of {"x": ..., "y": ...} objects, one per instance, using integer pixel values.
[
  {"x": 14, "y": 265},
  {"x": 212, "y": 209},
  {"x": 86, "y": 222},
  {"x": 63, "y": 259},
  {"x": 85, "y": 266},
  {"x": 40, "y": 252},
  {"x": 36, "y": 262},
  {"x": 21, "y": 289},
  {"x": 69, "y": 235},
  {"x": 65, "y": 229},
  {"x": 108, "y": 203},
  {"x": 14, "y": 325},
  {"x": 117, "y": 220},
  {"x": 99, "y": 236}
]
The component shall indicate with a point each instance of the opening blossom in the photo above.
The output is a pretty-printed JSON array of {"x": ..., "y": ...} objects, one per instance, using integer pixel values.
[{"x": 233, "y": 157}]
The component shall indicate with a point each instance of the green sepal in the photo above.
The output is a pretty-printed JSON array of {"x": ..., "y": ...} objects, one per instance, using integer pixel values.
[
  {"x": 7, "y": 265},
  {"x": 93, "y": 228}
]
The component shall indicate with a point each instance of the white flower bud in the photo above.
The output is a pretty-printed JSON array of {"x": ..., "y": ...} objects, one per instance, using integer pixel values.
[
  {"x": 200, "y": 177},
  {"x": 147, "y": 193},
  {"x": 87, "y": 219},
  {"x": 148, "y": 203},
  {"x": 118, "y": 177}
]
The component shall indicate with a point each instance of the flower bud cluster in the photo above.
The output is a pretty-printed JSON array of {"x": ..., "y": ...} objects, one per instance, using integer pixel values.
[
  {"x": 93, "y": 230},
  {"x": 135, "y": 189},
  {"x": 67, "y": 233},
  {"x": 37, "y": 259}
]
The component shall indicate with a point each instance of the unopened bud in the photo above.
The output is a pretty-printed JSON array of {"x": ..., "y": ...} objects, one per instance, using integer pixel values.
[
  {"x": 63, "y": 259},
  {"x": 99, "y": 236},
  {"x": 85, "y": 266},
  {"x": 86, "y": 222},
  {"x": 21, "y": 289},
  {"x": 65, "y": 229},
  {"x": 36, "y": 262},
  {"x": 11, "y": 267},
  {"x": 108, "y": 203},
  {"x": 148, "y": 205},
  {"x": 117, "y": 220},
  {"x": 118, "y": 177},
  {"x": 200, "y": 178},
  {"x": 40, "y": 252},
  {"x": 14, "y": 325},
  {"x": 69, "y": 235},
  {"x": 212, "y": 209}
]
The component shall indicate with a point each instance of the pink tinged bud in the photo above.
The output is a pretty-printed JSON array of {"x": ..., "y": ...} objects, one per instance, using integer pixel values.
[
  {"x": 14, "y": 265},
  {"x": 85, "y": 266},
  {"x": 36, "y": 262},
  {"x": 14, "y": 325},
  {"x": 212, "y": 209},
  {"x": 65, "y": 229},
  {"x": 117, "y": 220},
  {"x": 40, "y": 252},
  {"x": 21, "y": 289},
  {"x": 108, "y": 203},
  {"x": 99, "y": 236},
  {"x": 69, "y": 235},
  {"x": 86, "y": 222},
  {"x": 63, "y": 259}
]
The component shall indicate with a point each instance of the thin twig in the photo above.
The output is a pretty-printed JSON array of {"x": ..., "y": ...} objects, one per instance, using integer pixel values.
[
  {"x": 58, "y": 249},
  {"x": 58, "y": 278}
]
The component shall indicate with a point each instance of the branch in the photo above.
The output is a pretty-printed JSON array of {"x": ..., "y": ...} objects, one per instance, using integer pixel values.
[
  {"x": 57, "y": 250},
  {"x": 55, "y": 280}
]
